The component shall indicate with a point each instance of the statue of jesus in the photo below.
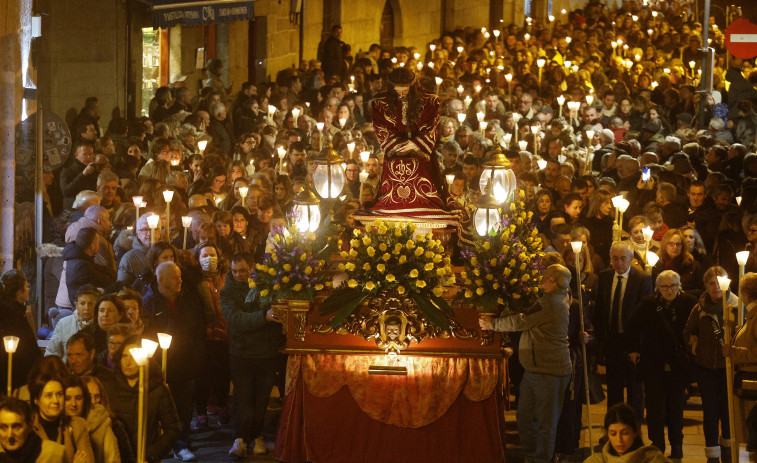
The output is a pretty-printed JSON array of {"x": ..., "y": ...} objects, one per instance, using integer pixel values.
[{"x": 406, "y": 121}]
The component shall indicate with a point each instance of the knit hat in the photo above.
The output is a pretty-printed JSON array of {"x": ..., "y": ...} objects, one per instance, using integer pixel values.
[{"x": 716, "y": 96}]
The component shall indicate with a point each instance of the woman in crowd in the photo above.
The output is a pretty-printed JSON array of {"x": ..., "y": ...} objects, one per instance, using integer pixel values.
[
  {"x": 239, "y": 237},
  {"x": 704, "y": 334},
  {"x": 162, "y": 419},
  {"x": 624, "y": 443},
  {"x": 51, "y": 423},
  {"x": 214, "y": 380},
  {"x": 14, "y": 293},
  {"x": 116, "y": 335},
  {"x": 260, "y": 225},
  {"x": 599, "y": 221},
  {"x": 99, "y": 398},
  {"x": 283, "y": 191},
  {"x": 78, "y": 403},
  {"x": 674, "y": 256},
  {"x": 109, "y": 310},
  {"x": 636, "y": 227},
  {"x": 161, "y": 251},
  {"x": 695, "y": 245},
  {"x": 132, "y": 301},
  {"x": 542, "y": 210}
]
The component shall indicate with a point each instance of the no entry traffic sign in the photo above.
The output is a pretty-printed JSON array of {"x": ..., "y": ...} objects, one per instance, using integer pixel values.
[{"x": 741, "y": 39}]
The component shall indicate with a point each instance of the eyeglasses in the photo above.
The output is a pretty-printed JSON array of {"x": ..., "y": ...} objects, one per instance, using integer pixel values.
[{"x": 669, "y": 287}]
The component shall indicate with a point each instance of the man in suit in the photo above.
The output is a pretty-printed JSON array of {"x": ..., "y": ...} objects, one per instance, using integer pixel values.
[{"x": 619, "y": 291}]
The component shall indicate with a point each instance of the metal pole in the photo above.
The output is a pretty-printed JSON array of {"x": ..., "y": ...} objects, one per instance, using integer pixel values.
[
  {"x": 39, "y": 204},
  {"x": 705, "y": 62},
  {"x": 583, "y": 352}
]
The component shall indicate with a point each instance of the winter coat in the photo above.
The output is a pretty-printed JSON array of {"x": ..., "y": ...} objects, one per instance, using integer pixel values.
[
  {"x": 221, "y": 136},
  {"x": 73, "y": 180},
  {"x": 690, "y": 271},
  {"x": 46, "y": 451},
  {"x": 187, "y": 326},
  {"x": 105, "y": 255},
  {"x": 65, "y": 328},
  {"x": 648, "y": 335},
  {"x": 81, "y": 270},
  {"x": 543, "y": 346},
  {"x": 250, "y": 334},
  {"x": 163, "y": 426},
  {"x": 702, "y": 323},
  {"x": 104, "y": 442},
  {"x": 133, "y": 263},
  {"x": 744, "y": 350},
  {"x": 645, "y": 454},
  {"x": 13, "y": 323},
  {"x": 74, "y": 436}
]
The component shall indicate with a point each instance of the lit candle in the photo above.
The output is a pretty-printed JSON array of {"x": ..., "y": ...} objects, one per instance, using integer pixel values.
[
  {"x": 186, "y": 221},
  {"x": 137, "y": 203},
  {"x": 561, "y": 102},
  {"x": 363, "y": 176},
  {"x": 482, "y": 125},
  {"x": 296, "y": 114},
  {"x": 152, "y": 222},
  {"x": 243, "y": 193},
  {"x": 281, "y": 152},
  {"x": 168, "y": 196}
]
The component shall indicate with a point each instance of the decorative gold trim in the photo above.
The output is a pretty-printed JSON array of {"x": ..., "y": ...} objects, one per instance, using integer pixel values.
[
  {"x": 413, "y": 353},
  {"x": 393, "y": 322}
]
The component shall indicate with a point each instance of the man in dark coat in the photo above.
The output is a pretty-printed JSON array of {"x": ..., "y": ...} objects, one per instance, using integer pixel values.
[
  {"x": 81, "y": 173},
  {"x": 176, "y": 308},
  {"x": 332, "y": 56},
  {"x": 619, "y": 291},
  {"x": 81, "y": 269},
  {"x": 655, "y": 344},
  {"x": 255, "y": 338}
]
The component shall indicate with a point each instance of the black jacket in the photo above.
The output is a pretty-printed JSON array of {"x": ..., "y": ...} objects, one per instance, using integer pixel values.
[
  {"x": 81, "y": 270},
  {"x": 638, "y": 286},
  {"x": 648, "y": 334},
  {"x": 73, "y": 180},
  {"x": 187, "y": 327},
  {"x": 221, "y": 136},
  {"x": 691, "y": 272},
  {"x": 13, "y": 323}
]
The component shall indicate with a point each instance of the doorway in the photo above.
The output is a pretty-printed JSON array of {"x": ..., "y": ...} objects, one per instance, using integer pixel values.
[{"x": 387, "y": 27}]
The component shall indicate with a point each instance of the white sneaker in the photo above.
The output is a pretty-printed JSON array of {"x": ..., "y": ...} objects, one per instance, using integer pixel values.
[
  {"x": 239, "y": 449},
  {"x": 184, "y": 455},
  {"x": 259, "y": 447}
]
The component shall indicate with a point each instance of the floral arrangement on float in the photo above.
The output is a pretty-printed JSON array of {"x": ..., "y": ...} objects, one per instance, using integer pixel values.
[
  {"x": 293, "y": 267},
  {"x": 391, "y": 255},
  {"x": 503, "y": 267}
]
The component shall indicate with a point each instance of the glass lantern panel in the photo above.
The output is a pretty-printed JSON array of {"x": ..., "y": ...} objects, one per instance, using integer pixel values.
[
  {"x": 337, "y": 180},
  {"x": 321, "y": 180},
  {"x": 479, "y": 219}
]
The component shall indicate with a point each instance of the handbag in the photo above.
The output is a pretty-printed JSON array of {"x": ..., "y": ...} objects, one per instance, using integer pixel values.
[{"x": 745, "y": 385}]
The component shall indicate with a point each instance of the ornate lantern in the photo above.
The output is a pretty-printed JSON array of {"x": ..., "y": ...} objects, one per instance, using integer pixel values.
[
  {"x": 328, "y": 177},
  {"x": 486, "y": 219},
  {"x": 497, "y": 171},
  {"x": 306, "y": 211}
]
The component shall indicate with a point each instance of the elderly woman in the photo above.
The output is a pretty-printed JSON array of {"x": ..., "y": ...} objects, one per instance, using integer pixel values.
[
  {"x": 743, "y": 352},
  {"x": 656, "y": 345},
  {"x": 674, "y": 255},
  {"x": 705, "y": 336}
]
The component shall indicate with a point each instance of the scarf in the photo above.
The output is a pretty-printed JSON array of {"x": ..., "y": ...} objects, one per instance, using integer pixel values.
[{"x": 28, "y": 452}]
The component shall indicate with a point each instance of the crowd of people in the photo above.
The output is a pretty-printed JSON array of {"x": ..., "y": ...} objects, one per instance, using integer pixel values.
[{"x": 586, "y": 106}]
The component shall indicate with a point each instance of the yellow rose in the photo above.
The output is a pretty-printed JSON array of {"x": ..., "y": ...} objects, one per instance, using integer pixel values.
[
  {"x": 382, "y": 247},
  {"x": 429, "y": 254},
  {"x": 493, "y": 262},
  {"x": 402, "y": 259},
  {"x": 344, "y": 254},
  {"x": 370, "y": 285},
  {"x": 420, "y": 239},
  {"x": 371, "y": 252},
  {"x": 366, "y": 266},
  {"x": 303, "y": 258},
  {"x": 288, "y": 267},
  {"x": 413, "y": 272},
  {"x": 398, "y": 233},
  {"x": 401, "y": 289},
  {"x": 487, "y": 245},
  {"x": 516, "y": 296},
  {"x": 437, "y": 258},
  {"x": 489, "y": 277},
  {"x": 525, "y": 277},
  {"x": 477, "y": 272},
  {"x": 507, "y": 271},
  {"x": 264, "y": 293},
  {"x": 500, "y": 300},
  {"x": 410, "y": 244},
  {"x": 479, "y": 282},
  {"x": 428, "y": 267},
  {"x": 495, "y": 285},
  {"x": 382, "y": 230},
  {"x": 353, "y": 253},
  {"x": 261, "y": 267},
  {"x": 297, "y": 287},
  {"x": 355, "y": 243},
  {"x": 318, "y": 287},
  {"x": 368, "y": 228},
  {"x": 420, "y": 283},
  {"x": 285, "y": 279},
  {"x": 418, "y": 252},
  {"x": 390, "y": 278},
  {"x": 366, "y": 240},
  {"x": 505, "y": 248},
  {"x": 251, "y": 282},
  {"x": 480, "y": 291},
  {"x": 308, "y": 270},
  {"x": 468, "y": 293},
  {"x": 398, "y": 247},
  {"x": 438, "y": 291},
  {"x": 341, "y": 267},
  {"x": 473, "y": 261},
  {"x": 350, "y": 266},
  {"x": 386, "y": 257},
  {"x": 381, "y": 268},
  {"x": 276, "y": 287},
  {"x": 352, "y": 283},
  {"x": 441, "y": 272},
  {"x": 356, "y": 232},
  {"x": 272, "y": 272}
]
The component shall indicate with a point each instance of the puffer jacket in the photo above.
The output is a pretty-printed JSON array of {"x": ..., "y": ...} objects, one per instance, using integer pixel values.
[
  {"x": 250, "y": 334},
  {"x": 706, "y": 322},
  {"x": 104, "y": 442},
  {"x": 544, "y": 344}
]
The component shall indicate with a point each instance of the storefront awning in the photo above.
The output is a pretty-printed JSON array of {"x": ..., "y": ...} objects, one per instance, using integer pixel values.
[{"x": 168, "y": 13}]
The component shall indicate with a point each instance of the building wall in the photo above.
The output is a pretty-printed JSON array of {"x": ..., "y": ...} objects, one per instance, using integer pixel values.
[
  {"x": 283, "y": 40},
  {"x": 84, "y": 55}
]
